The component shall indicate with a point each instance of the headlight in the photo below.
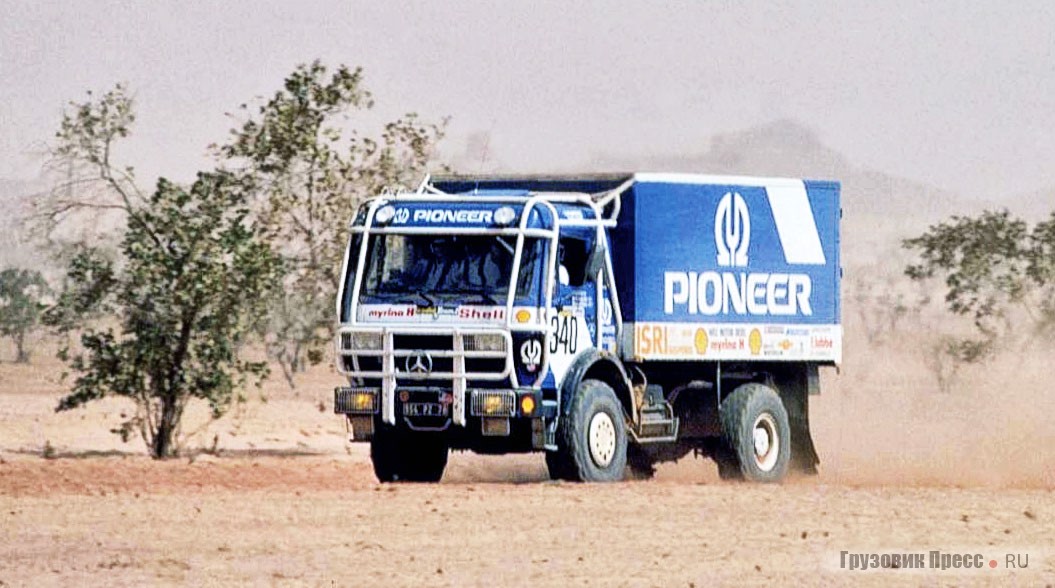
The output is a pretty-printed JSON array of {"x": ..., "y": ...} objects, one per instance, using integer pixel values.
[
  {"x": 485, "y": 342},
  {"x": 364, "y": 341},
  {"x": 505, "y": 216}
]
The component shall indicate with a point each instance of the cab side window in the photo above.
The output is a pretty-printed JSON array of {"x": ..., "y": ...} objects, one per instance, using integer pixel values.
[{"x": 572, "y": 257}]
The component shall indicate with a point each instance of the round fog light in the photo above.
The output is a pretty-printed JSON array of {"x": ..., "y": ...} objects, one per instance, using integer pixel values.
[
  {"x": 505, "y": 215},
  {"x": 527, "y": 405},
  {"x": 384, "y": 214}
]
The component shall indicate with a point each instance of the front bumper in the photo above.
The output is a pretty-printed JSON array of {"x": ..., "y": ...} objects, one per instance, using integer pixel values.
[{"x": 411, "y": 402}]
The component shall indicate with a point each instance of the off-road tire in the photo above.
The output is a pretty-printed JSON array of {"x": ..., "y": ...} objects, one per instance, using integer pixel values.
[
  {"x": 591, "y": 439},
  {"x": 749, "y": 409},
  {"x": 406, "y": 456}
]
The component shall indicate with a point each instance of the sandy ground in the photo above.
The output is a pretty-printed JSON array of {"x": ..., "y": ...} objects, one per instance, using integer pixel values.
[{"x": 288, "y": 502}]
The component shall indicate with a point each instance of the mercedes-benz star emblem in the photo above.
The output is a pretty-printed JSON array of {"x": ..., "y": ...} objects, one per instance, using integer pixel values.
[{"x": 419, "y": 364}]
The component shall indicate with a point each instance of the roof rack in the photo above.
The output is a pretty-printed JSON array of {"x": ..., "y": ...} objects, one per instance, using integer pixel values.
[{"x": 604, "y": 190}]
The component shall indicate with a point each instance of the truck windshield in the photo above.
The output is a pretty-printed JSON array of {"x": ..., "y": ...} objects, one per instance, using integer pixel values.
[{"x": 419, "y": 268}]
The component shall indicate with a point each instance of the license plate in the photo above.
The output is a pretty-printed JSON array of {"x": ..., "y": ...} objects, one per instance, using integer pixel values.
[{"x": 424, "y": 409}]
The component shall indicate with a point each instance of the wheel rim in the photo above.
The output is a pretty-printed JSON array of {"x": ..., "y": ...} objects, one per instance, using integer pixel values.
[
  {"x": 602, "y": 439},
  {"x": 766, "y": 442}
]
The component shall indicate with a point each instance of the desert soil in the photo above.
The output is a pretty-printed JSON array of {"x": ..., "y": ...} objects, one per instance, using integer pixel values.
[{"x": 286, "y": 501}]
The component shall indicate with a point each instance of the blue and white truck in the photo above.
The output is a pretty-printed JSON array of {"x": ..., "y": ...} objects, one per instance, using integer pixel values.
[{"x": 611, "y": 321}]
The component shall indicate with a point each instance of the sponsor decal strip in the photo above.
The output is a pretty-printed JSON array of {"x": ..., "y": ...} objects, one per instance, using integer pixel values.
[
  {"x": 417, "y": 314},
  {"x": 702, "y": 341}
]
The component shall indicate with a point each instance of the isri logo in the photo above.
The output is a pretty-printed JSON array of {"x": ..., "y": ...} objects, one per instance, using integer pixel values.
[{"x": 732, "y": 230}]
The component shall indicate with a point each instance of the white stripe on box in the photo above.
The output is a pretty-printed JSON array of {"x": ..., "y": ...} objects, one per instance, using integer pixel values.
[{"x": 796, "y": 226}]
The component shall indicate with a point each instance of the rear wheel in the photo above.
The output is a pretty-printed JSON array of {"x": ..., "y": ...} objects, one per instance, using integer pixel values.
[
  {"x": 756, "y": 435},
  {"x": 406, "y": 456},
  {"x": 592, "y": 437}
]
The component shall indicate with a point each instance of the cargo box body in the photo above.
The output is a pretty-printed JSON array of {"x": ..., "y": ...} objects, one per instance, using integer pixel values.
[{"x": 729, "y": 268}]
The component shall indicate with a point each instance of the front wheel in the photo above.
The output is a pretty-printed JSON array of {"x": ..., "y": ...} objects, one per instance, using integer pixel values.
[
  {"x": 592, "y": 437},
  {"x": 756, "y": 435}
]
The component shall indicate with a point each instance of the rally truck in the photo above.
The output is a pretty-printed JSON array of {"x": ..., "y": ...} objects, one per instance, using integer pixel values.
[{"x": 610, "y": 321}]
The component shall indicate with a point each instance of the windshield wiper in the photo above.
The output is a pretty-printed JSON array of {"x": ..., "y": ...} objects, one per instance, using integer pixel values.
[
  {"x": 507, "y": 246},
  {"x": 429, "y": 302}
]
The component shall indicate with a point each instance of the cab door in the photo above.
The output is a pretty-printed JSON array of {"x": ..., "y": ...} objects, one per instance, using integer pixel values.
[{"x": 573, "y": 318}]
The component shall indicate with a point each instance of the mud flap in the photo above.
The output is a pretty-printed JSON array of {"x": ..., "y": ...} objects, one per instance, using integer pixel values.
[
  {"x": 794, "y": 392},
  {"x": 803, "y": 454}
]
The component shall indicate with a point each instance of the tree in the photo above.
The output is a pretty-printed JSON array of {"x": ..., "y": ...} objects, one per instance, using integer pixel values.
[
  {"x": 996, "y": 271},
  {"x": 162, "y": 320},
  {"x": 21, "y": 303},
  {"x": 880, "y": 301},
  {"x": 309, "y": 172},
  {"x": 95, "y": 196}
]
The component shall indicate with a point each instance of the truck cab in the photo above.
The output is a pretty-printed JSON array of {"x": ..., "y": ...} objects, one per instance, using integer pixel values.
[{"x": 487, "y": 314}]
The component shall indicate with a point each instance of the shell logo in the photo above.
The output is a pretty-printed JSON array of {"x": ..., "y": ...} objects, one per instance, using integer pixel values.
[
  {"x": 754, "y": 341},
  {"x": 523, "y": 315},
  {"x": 700, "y": 341},
  {"x": 785, "y": 344}
]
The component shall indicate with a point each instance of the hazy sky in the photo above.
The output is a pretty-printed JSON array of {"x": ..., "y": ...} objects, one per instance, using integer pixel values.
[{"x": 957, "y": 94}]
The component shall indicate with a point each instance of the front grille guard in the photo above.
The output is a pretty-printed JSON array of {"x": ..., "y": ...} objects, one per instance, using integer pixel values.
[{"x": 390, "y": 370}]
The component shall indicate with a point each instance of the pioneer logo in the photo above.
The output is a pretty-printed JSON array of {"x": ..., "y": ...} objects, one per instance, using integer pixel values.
[
  {"x": 759, "y": 294},
  {"x": 732, "y": 230},
  {"x": 712, "y": 292},
  {"x": 452, "y": 216}
]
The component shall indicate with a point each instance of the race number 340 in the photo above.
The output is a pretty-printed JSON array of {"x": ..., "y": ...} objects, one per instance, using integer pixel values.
[{"x": 565, "y": 335}]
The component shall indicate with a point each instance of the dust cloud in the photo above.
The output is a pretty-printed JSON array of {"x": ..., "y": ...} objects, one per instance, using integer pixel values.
[{"x": 882, "y": 420}]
